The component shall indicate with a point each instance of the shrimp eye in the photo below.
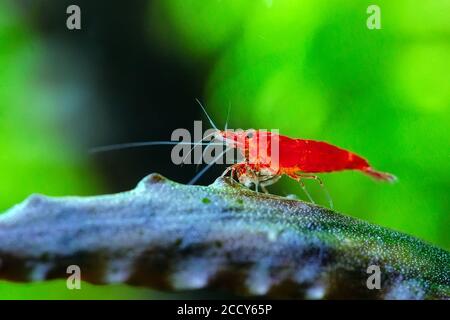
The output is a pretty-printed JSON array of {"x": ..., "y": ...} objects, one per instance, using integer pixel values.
[{"x": 250, "y": 135}]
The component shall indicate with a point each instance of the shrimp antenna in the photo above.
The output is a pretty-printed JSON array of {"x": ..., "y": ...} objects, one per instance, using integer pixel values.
[
  {"x": 228, "y": 116},
  {"x": 198, "y": 143},
  {"x": 143, "y": 144},
  {"x": 198, "y": 175},
  {"x": 207, "y": 115}
]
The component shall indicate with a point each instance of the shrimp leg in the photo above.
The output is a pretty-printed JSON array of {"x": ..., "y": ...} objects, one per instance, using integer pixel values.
[
  {"x": 298, "y": 178},
  {"x": 268, "y": 182},
  {"x": 232, "y": 169},
  {"x": 227, "y": 170},
  {"x": 322, "y": 185},
  {"x": 242, "y": 169}
]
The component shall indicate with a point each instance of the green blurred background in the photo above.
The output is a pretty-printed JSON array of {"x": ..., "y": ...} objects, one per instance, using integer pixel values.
[{"x": 310, "y": 68}]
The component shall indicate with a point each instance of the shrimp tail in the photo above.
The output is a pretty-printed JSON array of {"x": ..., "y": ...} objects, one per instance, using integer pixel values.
[{"x": 384, "y": 176}]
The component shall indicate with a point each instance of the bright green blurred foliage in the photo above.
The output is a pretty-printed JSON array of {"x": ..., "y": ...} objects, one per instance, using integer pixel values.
[
  {"x": 312, "y": 69},
  {"x": 56, "y": 290},
  {"x": 35, "y": 154}
]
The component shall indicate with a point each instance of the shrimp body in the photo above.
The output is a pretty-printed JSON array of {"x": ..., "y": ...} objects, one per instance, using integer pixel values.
[
  {"x": 316, "y": 156},
  {"x": 295, "y": 158}
]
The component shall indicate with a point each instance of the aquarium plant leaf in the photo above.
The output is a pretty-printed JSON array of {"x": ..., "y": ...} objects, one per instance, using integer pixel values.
[{"x": 223, "y": 238}]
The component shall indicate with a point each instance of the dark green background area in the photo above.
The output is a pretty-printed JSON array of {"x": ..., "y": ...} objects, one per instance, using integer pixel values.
[{"x": 311, "y": 69}]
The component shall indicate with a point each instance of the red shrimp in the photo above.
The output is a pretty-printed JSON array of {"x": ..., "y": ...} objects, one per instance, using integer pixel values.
[
  {"x": 269, "y": 155},
  {"x": 297, "y": 158}
]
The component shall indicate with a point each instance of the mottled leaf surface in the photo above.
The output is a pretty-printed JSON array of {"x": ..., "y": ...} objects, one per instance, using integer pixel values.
[{"x": 224, "y": 237}]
